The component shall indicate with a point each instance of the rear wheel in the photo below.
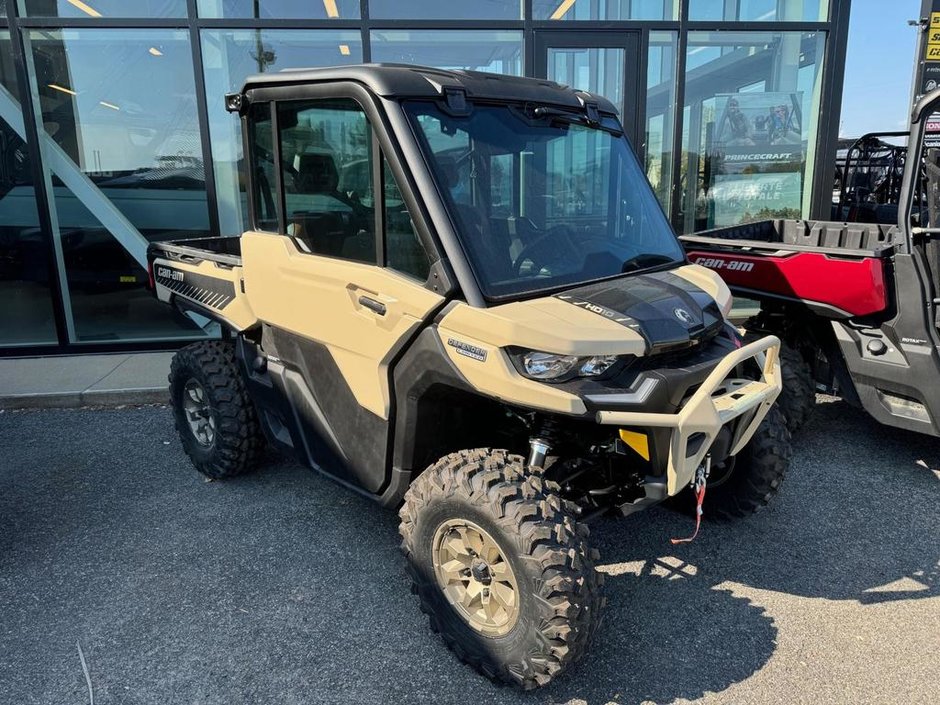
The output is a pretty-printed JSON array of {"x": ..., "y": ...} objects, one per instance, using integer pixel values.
[
  {"x": 215, "y": 418},
  {"x": 745, "y": 483},
  {"x": 500, "y": 566}
]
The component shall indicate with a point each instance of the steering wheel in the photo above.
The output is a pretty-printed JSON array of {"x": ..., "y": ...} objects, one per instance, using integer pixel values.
[{"x": 554, "y": 246}]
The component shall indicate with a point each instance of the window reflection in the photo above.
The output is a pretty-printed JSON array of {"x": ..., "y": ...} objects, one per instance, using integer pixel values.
[
  {"x": 660, "y": 113},
  {"x": 605, "y": 9},
  {"x": 26, "y": 315},
  {"x": 435, "y": 9},
  {"x": 750, "y": 126},
  {"x": 595, "y": 69},
  {"x": 103, "y": 9},
  {"x": 118, "y": 112},
  {"x": 759, "y": 10},
  {"x": 229, "y": 56},
  {"x": 281, "y": 9},
  {"x": 479, "y": 50}
]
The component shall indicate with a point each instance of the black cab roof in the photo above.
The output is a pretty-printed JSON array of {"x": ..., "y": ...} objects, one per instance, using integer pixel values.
[{"x": 408, "y": 81}]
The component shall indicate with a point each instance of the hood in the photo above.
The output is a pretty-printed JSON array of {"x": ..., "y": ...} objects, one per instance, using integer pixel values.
[
  {"x": 637, "y": 314},
  {"x": 666, "y": 310}
]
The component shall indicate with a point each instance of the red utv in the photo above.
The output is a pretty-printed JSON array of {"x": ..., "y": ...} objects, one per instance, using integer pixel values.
[{"x": 856, "y": 304}]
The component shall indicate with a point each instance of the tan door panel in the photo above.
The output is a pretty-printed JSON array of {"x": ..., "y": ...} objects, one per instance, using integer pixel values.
[{"x": 327, "y": 300}]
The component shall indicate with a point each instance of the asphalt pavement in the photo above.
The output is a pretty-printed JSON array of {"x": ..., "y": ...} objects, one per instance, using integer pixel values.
[{"x": 281, "y": 587}]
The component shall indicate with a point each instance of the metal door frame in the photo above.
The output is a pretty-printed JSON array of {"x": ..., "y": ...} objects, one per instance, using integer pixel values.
[{"x": 634, "y": 70}]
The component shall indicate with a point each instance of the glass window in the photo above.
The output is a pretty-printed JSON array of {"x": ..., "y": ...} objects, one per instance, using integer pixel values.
[
  {"x": 26, "y": 315},
  {"x": 750, "y": 128},
  {"x": 122, "y": 141},
  {"x": 605, "y": 9},
  {"x": 480, "y": 50},
  {"x": 595, "y": 69},
  {"x": 661, "y": 113},
  {"x": 403, "y": 249},
  {"x": 228, "y": 56},
  {"x": 435, "y": 9},
  {"x": 326, "y": 158},
  {"x": 264, "y": 170},
  {"x": 103, "y": 8},
  {"x": 584, "y": 209},
  {"x": 759, "y": 10},
  {"x": 281, "y": 9}
]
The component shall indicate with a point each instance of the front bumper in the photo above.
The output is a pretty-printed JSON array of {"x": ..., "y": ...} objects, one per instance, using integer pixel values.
[{"x": 720, "y": 400}]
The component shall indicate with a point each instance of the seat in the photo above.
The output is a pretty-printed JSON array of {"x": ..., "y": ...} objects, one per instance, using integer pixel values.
[
  {"x": 315, "y": 172},
  {"x": 332, "y": 225}
]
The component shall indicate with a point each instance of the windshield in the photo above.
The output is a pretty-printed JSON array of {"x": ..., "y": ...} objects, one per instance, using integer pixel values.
[{"x": 541, "y": 199}]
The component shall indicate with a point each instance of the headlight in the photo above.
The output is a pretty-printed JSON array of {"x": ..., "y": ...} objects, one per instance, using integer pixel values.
[
  {"x": 539, "y": 365},
  {"x": 597, "y": 365},
  {"x": 550, "y": 366}
]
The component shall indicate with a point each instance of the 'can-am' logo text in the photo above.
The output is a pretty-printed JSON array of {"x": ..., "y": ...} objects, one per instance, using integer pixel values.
[
  {"x": 729, "y": 264},
  {"x": 173, "y": 274}
]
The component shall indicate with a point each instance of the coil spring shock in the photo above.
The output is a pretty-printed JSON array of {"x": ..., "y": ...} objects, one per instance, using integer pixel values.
[{"x": 542, "y": 441}]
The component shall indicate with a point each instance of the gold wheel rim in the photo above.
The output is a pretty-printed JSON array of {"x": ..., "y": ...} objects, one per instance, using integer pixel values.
[{"x": 475, "y": 577}]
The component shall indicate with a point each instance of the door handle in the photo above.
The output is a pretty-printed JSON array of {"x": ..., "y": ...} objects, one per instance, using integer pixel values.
[{"x": 373, "y": 305}]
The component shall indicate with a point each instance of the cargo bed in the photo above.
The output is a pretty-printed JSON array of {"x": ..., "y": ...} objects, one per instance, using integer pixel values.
[
  {"x": 204, "y": 276},
  {"x": 836, "y": 269}
]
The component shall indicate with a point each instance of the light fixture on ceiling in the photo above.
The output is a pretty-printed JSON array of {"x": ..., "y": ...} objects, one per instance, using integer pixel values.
[
  {"x": 344, "y": 49},
  {"x": 153, "y": 51},
  {"x": 62, "y": 89},
  {"x": 87, "y": 9},
  {"x": 108, "y": 105},
  {"x": 331, "y": 10},
  {"x": 562, "y": 8}
]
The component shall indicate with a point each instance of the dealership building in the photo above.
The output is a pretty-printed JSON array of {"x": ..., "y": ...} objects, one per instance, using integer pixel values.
[{"x": 113, "y": 132}]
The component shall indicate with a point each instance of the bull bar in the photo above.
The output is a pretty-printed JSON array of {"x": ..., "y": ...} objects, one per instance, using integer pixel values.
[{"x": 718, "y": 401}]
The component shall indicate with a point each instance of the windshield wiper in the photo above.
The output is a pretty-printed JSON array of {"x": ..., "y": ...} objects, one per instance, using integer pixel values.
[
  {"x": 645, "y": 261},
  {"x": 556, "y": 114}
]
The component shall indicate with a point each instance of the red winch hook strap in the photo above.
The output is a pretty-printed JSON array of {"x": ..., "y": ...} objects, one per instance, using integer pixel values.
[{"x": 701, "y": 478}]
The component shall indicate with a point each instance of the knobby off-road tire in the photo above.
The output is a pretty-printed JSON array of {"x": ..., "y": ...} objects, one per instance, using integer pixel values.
[
  {"x": 746, "y": 483},
  {"x": 797, "y": 400},
  {"x": 558, "y": 589},
  {"x": 229, "y": 439}
]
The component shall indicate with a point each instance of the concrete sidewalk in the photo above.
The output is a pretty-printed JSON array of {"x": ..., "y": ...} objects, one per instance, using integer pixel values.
[{"x": 84, "y": 380}]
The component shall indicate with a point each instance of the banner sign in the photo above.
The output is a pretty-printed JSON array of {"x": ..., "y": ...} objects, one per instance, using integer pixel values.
[
  {"x": 756, "y": 157},
  {"x": 745, "y": 198},
  {"x": 761, "y": 120}
]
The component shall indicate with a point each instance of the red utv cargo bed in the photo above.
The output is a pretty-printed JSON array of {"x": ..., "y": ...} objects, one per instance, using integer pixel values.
[{"x": 838, "y": 269}]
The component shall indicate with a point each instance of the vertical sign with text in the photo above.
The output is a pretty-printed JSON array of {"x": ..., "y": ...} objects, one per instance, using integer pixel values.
[{"x": 930, "y": 52}]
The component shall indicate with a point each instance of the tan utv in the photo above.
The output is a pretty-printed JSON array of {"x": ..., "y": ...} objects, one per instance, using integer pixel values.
[{"x": 459, "y": 296}]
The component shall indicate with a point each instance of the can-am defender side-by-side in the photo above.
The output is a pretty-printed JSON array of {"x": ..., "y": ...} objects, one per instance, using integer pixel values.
[
  {"x": 857, "y": 305},
  {"x": 460, "y": 297}
]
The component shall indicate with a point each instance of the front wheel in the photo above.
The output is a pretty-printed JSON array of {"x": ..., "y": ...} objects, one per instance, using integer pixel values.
[
  {"x": 797, "y": 400},
  {"x": 746, "y": 482},
  {"x": 500, "y": 566}
]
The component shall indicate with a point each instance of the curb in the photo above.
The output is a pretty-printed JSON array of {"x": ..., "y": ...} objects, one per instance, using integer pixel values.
[{"x": 103, "y": 398}]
